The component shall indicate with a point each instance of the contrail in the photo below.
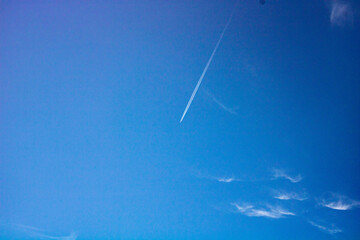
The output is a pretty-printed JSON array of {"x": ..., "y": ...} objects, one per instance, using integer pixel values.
[{"x": 207, "y": 65}]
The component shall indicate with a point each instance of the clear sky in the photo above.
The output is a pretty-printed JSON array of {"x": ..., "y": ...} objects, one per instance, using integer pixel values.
[{"x": 92, "y": 92}]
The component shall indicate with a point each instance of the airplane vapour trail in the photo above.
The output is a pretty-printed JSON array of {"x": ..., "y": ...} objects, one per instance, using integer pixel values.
[{"x": 207, "y": 65}]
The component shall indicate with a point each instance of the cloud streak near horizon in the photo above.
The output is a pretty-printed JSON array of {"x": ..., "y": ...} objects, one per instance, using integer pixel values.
[
  {"x": 41, "y": 233},
  {"x": 72, "y": 236}
]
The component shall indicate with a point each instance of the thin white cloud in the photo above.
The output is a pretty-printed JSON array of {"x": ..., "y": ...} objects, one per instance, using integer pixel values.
[
  {"x": 226, "y": 179},
  {"x": 278, "y": 173},
  {"x": 290, "y": 196},
  {"x": 339, "y": 205},
  {"x": 339, "y": 202},
  {"x": 222, "y": 179},
  {"x": 41, "y": 234},
  {"x": 269, "y": 212},
  {"x": 341, "y": 13},
  {"x": 72, "y": 236},
  {"x": 220, "y": 104},
  {"x": 27, "y": 228},
  {"x": 330, "y": 230}
]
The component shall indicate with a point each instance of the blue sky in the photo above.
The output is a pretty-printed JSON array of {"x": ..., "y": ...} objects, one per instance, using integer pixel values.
[{"x": 91, "y": 94}]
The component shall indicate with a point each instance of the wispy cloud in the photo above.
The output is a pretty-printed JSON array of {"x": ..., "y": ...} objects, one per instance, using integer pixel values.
[
  {"x": 281, "y": 195},
  {"x": 269, "y": 211},
  {"x": 339, "y": 202},
  {"x": 341, "y": 13},
  {"x": 330, "y": 230},
  {"x": 41, "y": 234},
  {"x": 226, "y": 179},
  {"x": 220, "y": 104},
  {"x": 27, "y": 228},
  {"x": 278, "y": 173},
  {"x": 72, "y": 236}
]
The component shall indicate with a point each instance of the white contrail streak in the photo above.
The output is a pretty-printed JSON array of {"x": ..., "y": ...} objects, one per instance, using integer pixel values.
[{"x": 207, "y": 66}]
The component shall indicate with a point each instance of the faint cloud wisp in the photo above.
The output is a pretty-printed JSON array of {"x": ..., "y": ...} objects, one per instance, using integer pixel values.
[
  {"x": 72, "y": 236},
  {"x": 339, "y": 202},
  {"x": 222, "y": 179},
  {"x": 341, "y": 13},
  {"x": 290, "y": 196},
  {"x": 330, "y": 230},
  {"x": 278, "y": 173},
  {"x": 220, "y": 104},
  {"x": 40, "y": 233},
  {"x": 226, "y": 179},
  {"x": 269, "y": 212}
]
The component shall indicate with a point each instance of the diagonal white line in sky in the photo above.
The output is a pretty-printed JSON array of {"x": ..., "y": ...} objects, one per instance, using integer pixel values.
[{"x": 207, "y": 66}]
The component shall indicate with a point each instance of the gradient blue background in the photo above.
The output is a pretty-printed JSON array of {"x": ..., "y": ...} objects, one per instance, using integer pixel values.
[{"x": 91, "y": 94}]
